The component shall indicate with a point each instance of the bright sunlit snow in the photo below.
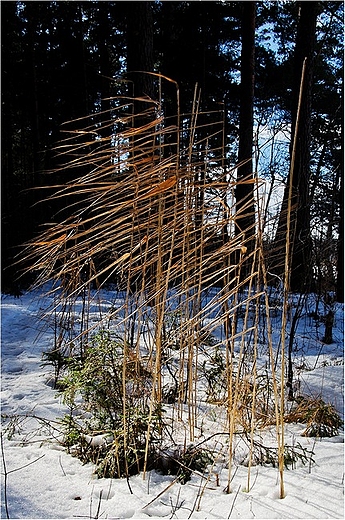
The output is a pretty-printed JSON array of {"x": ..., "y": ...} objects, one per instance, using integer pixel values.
[{"x": 40, "y": 480}]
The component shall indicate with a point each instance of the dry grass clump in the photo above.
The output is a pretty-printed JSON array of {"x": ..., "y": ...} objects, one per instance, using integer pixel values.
[
  {"x": 151, "y": 209},
  {"x": 321, "y": 418}
]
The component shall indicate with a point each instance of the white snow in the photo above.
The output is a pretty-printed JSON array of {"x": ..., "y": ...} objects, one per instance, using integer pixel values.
[{"x": 41, "y": 480}]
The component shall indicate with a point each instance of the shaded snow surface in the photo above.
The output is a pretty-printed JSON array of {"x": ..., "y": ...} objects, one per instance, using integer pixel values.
[{"x": 43, "y": 481}]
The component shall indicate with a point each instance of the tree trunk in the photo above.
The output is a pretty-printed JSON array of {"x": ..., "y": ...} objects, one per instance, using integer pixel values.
[
  {"x": 300, "y": 156},
  {"x": 140, "y": 50},
  {"x": 103, "y": 32},
  {"x": 340, "y": 259},
  {"x": 245, "y": 217},
  {"x": 329, "y": 321}
]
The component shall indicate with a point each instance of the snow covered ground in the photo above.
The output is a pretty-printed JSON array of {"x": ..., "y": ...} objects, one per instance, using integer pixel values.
[{"x": 40, "y": 480}]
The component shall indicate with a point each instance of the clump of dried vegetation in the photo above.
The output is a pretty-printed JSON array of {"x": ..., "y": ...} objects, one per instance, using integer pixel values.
[
  {"x": 148, "y": 209},
  {"x": 321, "y": 419}
]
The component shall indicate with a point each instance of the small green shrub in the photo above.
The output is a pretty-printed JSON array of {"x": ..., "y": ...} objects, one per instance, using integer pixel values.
[
  {"x": 193, "y": 459},
  {"x": 111, "y": 391},
  {"x": 183, "y": 461},
  {"x": 58, "y": 360},
  {"x": 264, "y": 455},
  {"x": 214, "y": 371}
]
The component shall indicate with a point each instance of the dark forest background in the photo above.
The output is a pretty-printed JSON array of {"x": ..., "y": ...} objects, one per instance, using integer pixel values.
[{"x": 62, "y": 60}]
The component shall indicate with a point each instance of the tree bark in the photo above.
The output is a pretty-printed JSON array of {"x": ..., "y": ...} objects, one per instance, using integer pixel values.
[
  {"x": 300, "y": 156},
  {"x": 103, "y": 32},
  {"x": 245, "y": 217},
  {"x": 140, "y": 49},
  {"x": 340, "y": 259},
  {"x": 329, "y": 321}
]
